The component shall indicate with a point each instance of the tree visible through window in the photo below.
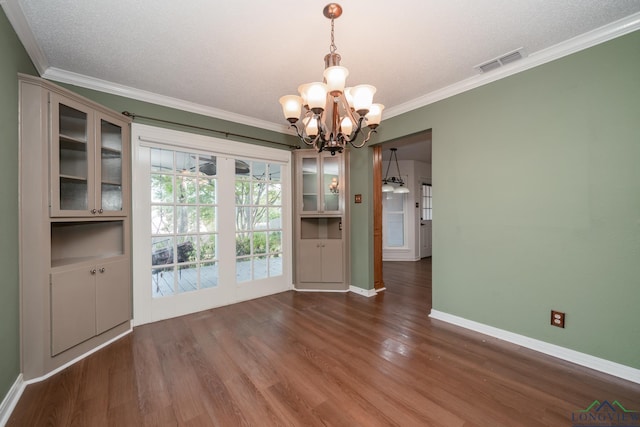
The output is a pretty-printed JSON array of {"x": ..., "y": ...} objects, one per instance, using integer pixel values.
[
  {"x": 258, "y": 220},
  {"x": 183, "y": 222}
]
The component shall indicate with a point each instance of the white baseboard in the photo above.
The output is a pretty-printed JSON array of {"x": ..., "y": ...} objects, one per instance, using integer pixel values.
[
  {"x": 365, "y": 292},
  {"x": 321, "y": 290},
  {"x": 608, "y": 367},
  {"x": 11, "y": 400}
]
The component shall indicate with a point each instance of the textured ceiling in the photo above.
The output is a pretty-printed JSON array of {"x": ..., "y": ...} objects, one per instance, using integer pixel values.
[{"x": 234, "y": 59}]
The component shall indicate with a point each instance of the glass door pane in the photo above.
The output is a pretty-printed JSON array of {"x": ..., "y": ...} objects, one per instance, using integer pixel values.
[
  {"x": 309, "y": 184},
  {"x": 330, "y": 183},
  {"x": 73, "y": 154},
  {"x": 110, "y": 166}
]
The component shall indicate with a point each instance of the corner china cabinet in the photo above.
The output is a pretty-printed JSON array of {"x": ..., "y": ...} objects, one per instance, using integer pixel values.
[
  {"x": 75, "y": 268},
  {"x": 321, "y": 221}
]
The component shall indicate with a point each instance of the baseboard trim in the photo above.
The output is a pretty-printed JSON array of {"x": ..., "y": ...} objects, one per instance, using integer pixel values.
[
  {"x": 364, "y": 292},
  {"x": 11, "y": 400},
  {"x": 321, "y": 290},
  {"x": 77, "y": 359},
  {"x": 608, "y": 367}
]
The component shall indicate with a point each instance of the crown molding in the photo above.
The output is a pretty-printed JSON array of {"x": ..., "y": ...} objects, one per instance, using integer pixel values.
[
  {"x": 87, "y": 82},
  {"x": 600, "y": 35},
  {"x": 16, "y": 17},
  {"x": 608, "y": 32}
]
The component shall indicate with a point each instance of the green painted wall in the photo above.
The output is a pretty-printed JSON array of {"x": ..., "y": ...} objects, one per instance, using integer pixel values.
[
  {"x": 13, "y": 60},
  {"x": 537, "y": 200}
]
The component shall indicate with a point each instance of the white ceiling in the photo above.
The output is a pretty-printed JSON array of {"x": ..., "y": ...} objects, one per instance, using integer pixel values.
[{"x": 234, "y": 59}]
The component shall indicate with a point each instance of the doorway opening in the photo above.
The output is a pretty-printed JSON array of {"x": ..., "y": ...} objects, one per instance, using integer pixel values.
[{"x": 414, "y": 155}]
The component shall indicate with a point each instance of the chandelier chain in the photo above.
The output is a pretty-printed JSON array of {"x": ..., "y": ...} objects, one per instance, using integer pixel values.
[{"x": 332, "y": 47}]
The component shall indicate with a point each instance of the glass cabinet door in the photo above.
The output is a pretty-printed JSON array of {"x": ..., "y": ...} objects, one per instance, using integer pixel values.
[
  {"x": 310, "y": 196},
  {"x": 111, "y": 171},
  {"x": 72, "y": 190},
  {"x": 331, "y": 183}
]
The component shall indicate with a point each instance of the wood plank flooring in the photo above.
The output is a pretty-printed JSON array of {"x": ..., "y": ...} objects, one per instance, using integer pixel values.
[{"x": 319, "y": 359}]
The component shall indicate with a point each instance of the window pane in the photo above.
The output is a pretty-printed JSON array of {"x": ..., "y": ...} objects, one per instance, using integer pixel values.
[
  {"x": 207, "y": 219},
  {"x": 275, "y": 241},
  {"x": 243, "y": 269},
  {"x": 187, "y": 278},
  {"x": 260, "y": 218},
  {"x": 186, "y": 189},
  {"x": 243, "y": 192},
  {"x": 260, "y": 268},
  {"x": 208, "y": 247},
  {"x": 187, "y": 219},
  {"x": 208, "y": 275},
  {"x": 275, "y": 172},
  {"x": 185, "y": 163},
  {"x": 161, "y": 188},
  {"x": 260, "y": 195},
  {"x": 275, "y": 194},
  {"x": 162, "y": 282},
  {"x": 394, "y": 228},
  {"x": 275, "y": 265},
  {"x": 187, "y": 249},
  {"x": 162, "y": 219},
  {"x": 259, "y": 170},
  {"x": 243, "y": 244},
  {"x": 243, "y": 219},
  {"x": 207, "y": 193},
  {"x": 161, "y": 250},
  {"x": 275, "y": 218},
  {"x": 259, "y": 243},
  {"x": 161, "y": 160},
  {"x": 208, "y": 165}
]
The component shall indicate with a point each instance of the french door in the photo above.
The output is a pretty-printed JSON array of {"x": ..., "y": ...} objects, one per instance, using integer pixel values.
[{"x": 210, "y": 222}]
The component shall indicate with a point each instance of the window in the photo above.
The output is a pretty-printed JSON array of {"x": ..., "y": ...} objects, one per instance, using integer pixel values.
[
  {"x": 426, "y": 202},
  {"x": 183, "y": 222},
  {"x": 258, "y": 220},
  {"x": 393, "y": 220}
]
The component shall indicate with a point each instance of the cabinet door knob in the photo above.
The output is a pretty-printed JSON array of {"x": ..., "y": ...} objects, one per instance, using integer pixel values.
[
  {"x": 101, "y": 270},
  {"x": 93, "y": 211},
  {"x": 100, "y": 211},
  {"x": 92, "y": 271}
]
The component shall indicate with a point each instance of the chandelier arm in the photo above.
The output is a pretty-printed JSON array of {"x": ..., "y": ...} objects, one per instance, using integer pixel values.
[{"x": 372, "y": 131}]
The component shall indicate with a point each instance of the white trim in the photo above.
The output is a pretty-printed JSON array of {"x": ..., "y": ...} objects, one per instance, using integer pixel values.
[
  {"x": 105, "y": 86},
  {"x": 342, "y": 291},
  {"x": 11, "y": 400},
  {"x": 584, "y": 41},
  {"x": 364, "y": 292},
  {"x": 599, "y": 35},
  {"x": 608, "y": 367}
]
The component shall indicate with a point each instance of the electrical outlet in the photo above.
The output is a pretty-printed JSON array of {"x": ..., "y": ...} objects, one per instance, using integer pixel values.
[{"x": 557, "y": 318}]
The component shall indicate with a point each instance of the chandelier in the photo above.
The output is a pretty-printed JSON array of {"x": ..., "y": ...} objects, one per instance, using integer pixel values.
[
  {"x": 333, "y": 115},
  {"x": 388, "y": 181}
]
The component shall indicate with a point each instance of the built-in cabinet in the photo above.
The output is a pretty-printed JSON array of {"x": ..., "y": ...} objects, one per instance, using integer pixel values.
[
  {"x": 321, "y": 255},
  {"x": 75, "y": 267}
]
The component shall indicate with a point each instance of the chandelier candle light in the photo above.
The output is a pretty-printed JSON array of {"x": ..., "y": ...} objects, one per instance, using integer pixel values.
[{"x": 333, "y": 115}]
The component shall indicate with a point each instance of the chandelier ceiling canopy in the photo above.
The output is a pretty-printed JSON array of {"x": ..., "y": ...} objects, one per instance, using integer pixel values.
[{"x": 327, "y": 115}]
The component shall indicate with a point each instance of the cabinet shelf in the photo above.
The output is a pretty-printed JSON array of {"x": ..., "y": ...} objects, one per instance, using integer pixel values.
[
  {"x": 71, "y": 143},
  {"x": 63, "y": 263},
  {"x": 73, "y": 178}
]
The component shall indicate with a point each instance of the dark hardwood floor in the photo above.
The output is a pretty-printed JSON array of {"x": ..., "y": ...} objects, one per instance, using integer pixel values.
[{"x": 313, "y": 359}]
